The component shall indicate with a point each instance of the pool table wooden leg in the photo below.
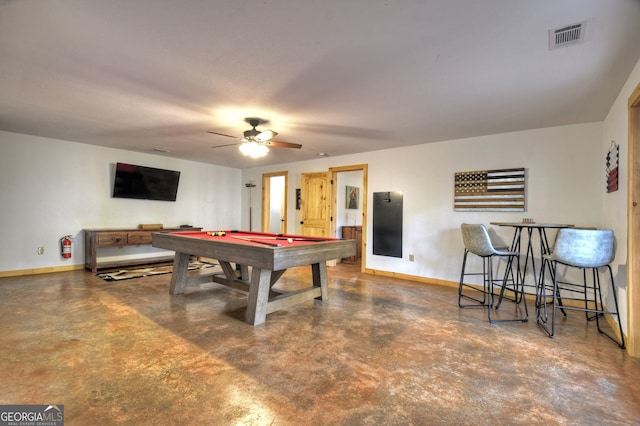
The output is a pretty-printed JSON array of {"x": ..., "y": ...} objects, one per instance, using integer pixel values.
[
  {"x": 244, "y": 272},
  {"x": 179, "y": 274},
  {"x": 258, "y": 296},
  {"x": 319, "y": 272}
]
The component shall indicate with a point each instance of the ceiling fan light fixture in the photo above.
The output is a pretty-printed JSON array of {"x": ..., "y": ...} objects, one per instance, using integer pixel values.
[
  {"x": 256, "y": 143},
  {"x": 253, "y": 149}
]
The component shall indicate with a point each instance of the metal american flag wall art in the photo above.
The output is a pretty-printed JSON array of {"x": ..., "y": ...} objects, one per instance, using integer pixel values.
[{"x": 490, "y": 190}]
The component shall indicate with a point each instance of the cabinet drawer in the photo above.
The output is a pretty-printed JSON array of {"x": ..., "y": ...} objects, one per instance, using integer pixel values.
[
  {"x": 139, "y": 237},
  {"x": 111, "y": 239}
]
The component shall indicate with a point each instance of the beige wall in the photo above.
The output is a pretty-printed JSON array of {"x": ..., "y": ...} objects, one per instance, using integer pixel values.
[
  {"x": 50, "y": 188},
  {"x": 564, "y": 185},
  {"x": 614, "y": 205}
]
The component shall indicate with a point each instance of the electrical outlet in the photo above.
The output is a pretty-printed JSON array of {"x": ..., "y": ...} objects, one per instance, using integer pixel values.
[
  {"x": 411, "y": 258},
  {"x": 40, "y": 250}
]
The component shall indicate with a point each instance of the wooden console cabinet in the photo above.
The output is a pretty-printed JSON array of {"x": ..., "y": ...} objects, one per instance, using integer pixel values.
[
  {"x": 353, "y": 233},
  {"x": 100, "y": 238}
]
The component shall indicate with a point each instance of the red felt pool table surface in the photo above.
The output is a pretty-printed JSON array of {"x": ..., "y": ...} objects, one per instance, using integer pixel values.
[
  {"x": 252, "y": 238},
  {"x": 262, "y": 258}
]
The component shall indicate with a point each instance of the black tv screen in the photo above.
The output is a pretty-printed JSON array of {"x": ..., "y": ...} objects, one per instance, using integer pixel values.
[{"x": 145, "y": 183}]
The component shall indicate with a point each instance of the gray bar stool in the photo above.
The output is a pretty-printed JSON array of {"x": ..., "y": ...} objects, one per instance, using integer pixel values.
[
  {"x": 583, "y": 249},
  {"x": 477, "y": 241}
]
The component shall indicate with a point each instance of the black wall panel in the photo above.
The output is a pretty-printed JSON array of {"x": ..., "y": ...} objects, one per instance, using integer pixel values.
[{"x": 387, "y": 223}]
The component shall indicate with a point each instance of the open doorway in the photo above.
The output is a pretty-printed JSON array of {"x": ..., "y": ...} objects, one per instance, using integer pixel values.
[
  {"x": 274, "y": 202},
  {"x": 349, "y": 207}
]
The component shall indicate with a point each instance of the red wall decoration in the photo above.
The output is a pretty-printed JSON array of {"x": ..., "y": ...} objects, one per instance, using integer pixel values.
[{"x": 612, "y": 167}]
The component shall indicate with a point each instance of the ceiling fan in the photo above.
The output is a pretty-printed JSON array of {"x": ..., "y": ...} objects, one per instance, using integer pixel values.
[{"x": 256, "y": 143}]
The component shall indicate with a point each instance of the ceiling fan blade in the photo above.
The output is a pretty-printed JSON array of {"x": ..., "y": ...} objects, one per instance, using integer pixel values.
[
  {"x": 266, "y": 135},
  {"x": 283, "y": 144},
  {"x": 222, "y": 146},
  {"x": 222, "y": 134}
]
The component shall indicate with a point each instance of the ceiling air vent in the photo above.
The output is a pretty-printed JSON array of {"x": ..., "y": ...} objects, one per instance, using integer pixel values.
[{"x": 567, "y": 36}]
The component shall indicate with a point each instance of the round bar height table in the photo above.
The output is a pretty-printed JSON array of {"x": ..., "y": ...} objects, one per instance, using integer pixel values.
[{"x": 545, "y": 247}]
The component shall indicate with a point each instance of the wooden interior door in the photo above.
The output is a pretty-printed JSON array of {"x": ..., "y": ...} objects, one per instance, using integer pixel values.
[{"x": 314, "y": 211}]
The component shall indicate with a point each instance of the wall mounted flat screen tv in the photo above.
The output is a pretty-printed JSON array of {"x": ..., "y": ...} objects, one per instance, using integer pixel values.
[{"x": 145, "y": 183}]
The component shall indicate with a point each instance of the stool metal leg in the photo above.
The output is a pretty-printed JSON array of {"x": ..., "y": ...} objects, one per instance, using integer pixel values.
[
  {"x": 541, "y": 300},
  {"x": 504, "y": 284},
  {"x": 480, "y": 303},
  {"x": 616, "y": 313},
  {"x": 597, "y": 310}
]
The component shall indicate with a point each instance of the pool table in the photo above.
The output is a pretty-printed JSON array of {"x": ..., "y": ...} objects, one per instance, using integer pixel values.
[{"x": 260, "y": 260}]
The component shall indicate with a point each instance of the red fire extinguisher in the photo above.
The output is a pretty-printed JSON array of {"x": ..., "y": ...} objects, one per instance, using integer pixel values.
[{"x": 65, "y": 246}]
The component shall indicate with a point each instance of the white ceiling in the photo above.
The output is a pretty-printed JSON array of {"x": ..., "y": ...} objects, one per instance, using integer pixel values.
[{"x": 337, "y": 76}]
